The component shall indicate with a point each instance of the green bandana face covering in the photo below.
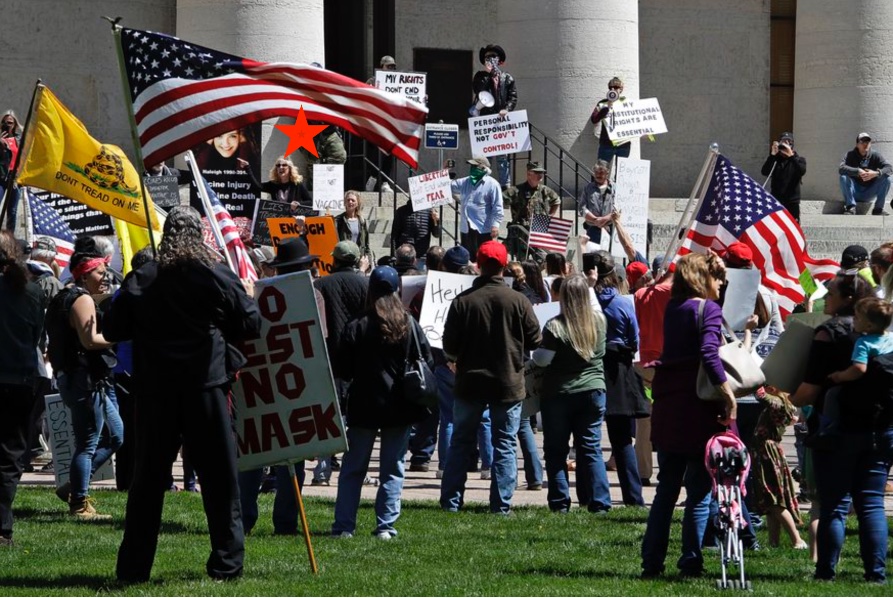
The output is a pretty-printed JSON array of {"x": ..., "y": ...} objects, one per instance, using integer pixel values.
[{"x": 477, "y": 173}]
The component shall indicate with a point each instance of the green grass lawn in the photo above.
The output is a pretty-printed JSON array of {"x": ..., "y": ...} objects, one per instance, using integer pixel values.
[{"x": 532, "y": 553}]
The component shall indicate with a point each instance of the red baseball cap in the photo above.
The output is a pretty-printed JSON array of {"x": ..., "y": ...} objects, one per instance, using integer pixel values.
[
  {"x": 738, "y": 255},
  {"x": 635, "y": 271},
  {"x": 492, "y": 250}
]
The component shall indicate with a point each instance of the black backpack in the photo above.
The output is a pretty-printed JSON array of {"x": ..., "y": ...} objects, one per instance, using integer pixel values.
[
  {"x": 64, "y": 350},
  {"x": 879, "y": 390}
]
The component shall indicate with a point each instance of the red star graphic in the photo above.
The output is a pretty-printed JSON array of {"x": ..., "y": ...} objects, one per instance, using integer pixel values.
[{"x": 301, "y": 134}]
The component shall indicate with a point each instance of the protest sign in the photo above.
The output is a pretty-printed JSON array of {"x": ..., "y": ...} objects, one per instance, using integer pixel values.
[
  {"x": 410, "y": 286},
  {"x": 632, "y": 119},
  {"x": 741, "y": 296},
  {"x": 81, "y": 218},
  {"x": 631, "y": 199},
  {"x": 492, "y": 135},
  {"x": 785, "y": 366},
  {"x": 61, "y": 439},
  {"x": 328, "y": 187},
  {"x": 321, "y": 237},
  {"x": 440, "y": 290},
  {"x": 430, "y": 189},
  {"x": 164, "y": 190},
  {"x": 268, "y": 208},
  {"x": 218, "y": 161},
  {"x": 546, "y": 311},
  {"x": 406, "y": 84},
  {"x": 285, "y": 396}
]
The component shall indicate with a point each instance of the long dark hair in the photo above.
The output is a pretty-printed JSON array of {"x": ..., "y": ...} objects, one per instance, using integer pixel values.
[
  {"x": 182, "y": 241},
  {"x": 388, "y": 311},
  {"x": 11, "y": 262},
  {"x": 850, "y": 286},
  {"x": 534, "y": 277}
]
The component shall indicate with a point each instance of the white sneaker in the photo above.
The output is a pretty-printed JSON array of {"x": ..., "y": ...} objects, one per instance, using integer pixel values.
[
  {"x": 367, "y": 481},
  {"x": 438, "y": 474},
  {"x": 485, "y": 474},
  {"x": 386, "y": 188},
  {"x": 370, "y": 183},
  {"x": 342, "y": 535},
  {"x": 383, "y": 536}
]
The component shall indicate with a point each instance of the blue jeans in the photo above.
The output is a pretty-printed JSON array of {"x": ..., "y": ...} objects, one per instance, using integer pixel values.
[
  {"x": 354, "y": 467},
  {"x": 445, "y": 381},
  {"x": 857, "y": 476},
  {"x": 285, "y": 503},
  {"x": 506, "y": 418},
  {"x": 621, "y": 431},
  {"x": 423, "y": 440},
  {"x": 607, "y": 152},
  {"x": 581, "y": 414},
  {"x": 675, "y": 471},
  {"x": 504, "y": 170},
  {"x": 91, "y": 409},
  {"x": 533, "y": 469},
  {"x": 853, "y": 193}
]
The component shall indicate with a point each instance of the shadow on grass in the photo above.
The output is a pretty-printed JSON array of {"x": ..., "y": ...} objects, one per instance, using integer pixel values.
[
  {"x": 573, "y": 573},
  {"x": 94, "y": 582}
]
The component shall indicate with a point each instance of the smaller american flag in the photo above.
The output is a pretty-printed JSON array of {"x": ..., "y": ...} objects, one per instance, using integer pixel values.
[
  {"x": 234, "y": 246},
  {"x": 46, "y": 222},
  {"x": 549, "y": 233}
]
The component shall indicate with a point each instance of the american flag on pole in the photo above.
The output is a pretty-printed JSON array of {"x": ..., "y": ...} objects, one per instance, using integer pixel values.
[
  {"x": 549, "y": 233},
  {"x": 184, "y": 94},
  {"x": 234, "y": 246},
  {"x": 737, "y": 208},
  {"x": 46, "y": 222}
]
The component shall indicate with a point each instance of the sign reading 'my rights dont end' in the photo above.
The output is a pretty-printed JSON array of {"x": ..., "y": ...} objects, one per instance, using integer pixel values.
[
  {"x": 492, "y": 135},
  {"x": 285, "y": 395}
]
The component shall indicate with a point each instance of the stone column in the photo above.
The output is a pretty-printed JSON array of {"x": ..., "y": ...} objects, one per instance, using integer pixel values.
[
  {"x": 562, "y": 55},
  {"x": 266, "y": 30},
  {"x": 843, "y": 85}
]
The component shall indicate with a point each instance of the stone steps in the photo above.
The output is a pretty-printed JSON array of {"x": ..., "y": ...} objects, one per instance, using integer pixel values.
[{"x": 827, "y": 234}]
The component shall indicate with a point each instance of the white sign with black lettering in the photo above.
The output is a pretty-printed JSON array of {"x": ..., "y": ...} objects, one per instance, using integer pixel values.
[
  {"x": 440, "y": 290},
  {"x": 631, "y": 200},
  {"x": 430, "y": 189},
  {"x": 409, "y": 85},
  {"x": 328, "y": 187},
  {"x": 632, "y": 119},
  {"x": 61, "y": 439},
  {"x": 492, "y": 135}
]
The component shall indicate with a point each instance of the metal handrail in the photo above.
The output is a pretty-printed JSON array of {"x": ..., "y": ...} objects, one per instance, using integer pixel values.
[{"x": 577, "y": 178}]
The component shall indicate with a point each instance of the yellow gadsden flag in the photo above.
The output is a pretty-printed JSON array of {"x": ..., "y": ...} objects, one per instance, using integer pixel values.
[{"x": 62, "y": 157}]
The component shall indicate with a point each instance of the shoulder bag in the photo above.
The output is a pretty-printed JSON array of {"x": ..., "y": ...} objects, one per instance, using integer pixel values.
[
  {"x": 419, "y": 383},
  {"x": 742, "y": 370}
]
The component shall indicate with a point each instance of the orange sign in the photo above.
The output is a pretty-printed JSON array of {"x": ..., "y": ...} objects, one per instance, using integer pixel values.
[{"x": 321, "y": 237}]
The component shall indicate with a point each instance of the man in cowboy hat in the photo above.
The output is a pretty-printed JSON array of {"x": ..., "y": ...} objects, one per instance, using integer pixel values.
[
  {"x": 501, "y": 86},
  {"x": 525, "y": 200}
]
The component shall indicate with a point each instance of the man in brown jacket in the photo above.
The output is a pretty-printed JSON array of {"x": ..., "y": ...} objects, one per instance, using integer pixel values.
[{"x": 489, "y": 331}]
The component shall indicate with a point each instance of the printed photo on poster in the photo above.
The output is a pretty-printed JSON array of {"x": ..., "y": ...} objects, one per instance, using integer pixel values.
[{"x": 218, "y": 161}]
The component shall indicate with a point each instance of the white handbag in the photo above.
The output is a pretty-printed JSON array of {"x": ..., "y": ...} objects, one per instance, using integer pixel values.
[{"x": 743, "y": 373}]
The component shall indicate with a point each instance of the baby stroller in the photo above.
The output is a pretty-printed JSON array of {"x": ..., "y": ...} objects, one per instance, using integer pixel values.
[{"x": 728, "y": 462}]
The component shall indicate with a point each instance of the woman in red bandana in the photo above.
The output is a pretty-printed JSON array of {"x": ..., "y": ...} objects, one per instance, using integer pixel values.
[{"x": 82, "y": 361}]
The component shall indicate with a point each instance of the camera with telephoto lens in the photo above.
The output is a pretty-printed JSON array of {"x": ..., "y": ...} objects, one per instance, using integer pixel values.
[{"x": 613, "y": 95}]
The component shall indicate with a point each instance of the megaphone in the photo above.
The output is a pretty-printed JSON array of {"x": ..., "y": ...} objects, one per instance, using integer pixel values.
[{"x": 485, "y": 100}]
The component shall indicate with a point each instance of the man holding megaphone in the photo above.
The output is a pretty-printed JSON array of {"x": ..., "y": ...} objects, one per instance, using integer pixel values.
[
  {"x": 603, "y": 119},
  {"x": 494, "y": 93}
]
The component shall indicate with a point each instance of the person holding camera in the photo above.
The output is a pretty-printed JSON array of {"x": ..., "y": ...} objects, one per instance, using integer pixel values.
[
  {"x": 864, "y": 175},
  {"x": 501, "y": 85},
  {"x": 603, "y": 119},
  {"x": 786, "y": 168}
]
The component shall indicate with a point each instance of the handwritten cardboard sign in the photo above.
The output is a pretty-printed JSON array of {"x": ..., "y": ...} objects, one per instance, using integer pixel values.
[
  {"x": 328, "y": 187},
  {"x": 407, "y": 84},
  {"x": 493, "y": 136},
  {"x": 631, "y": 199},
  {"x": 635, "y": 118},
  {"x": 285, "y": 395},
  {"x": 430, "y": 189},
  {"x": 440, "y": 290}
]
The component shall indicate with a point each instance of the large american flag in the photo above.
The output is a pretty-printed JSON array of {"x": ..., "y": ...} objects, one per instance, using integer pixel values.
[
  {"x": 549, "y": 233},
  {"x": 238, "y": 253},
  {"x": 46, "y": 222},
  {"x": 184, "y": 94},
  {"x": 737, "y": 208}
]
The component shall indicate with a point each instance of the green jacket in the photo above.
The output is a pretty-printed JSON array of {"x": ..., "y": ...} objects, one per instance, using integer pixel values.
[{"x": 525, "y": 201}]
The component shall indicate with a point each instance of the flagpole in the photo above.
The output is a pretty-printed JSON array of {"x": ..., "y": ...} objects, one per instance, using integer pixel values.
[
  {"x": 27, "y": 136},
  {"x": 209, "y": 209},
  {"x": 698, "y": 192},
  {"x": 29, "y": 222},
  {"x": 116, "y": 32}
]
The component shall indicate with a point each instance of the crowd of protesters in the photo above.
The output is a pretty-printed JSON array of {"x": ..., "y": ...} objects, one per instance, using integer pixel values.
[{"x": 623, "y": 353}]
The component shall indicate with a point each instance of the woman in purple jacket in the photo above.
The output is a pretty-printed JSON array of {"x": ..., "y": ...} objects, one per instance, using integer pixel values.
[{"x": 681, "y": 422}]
